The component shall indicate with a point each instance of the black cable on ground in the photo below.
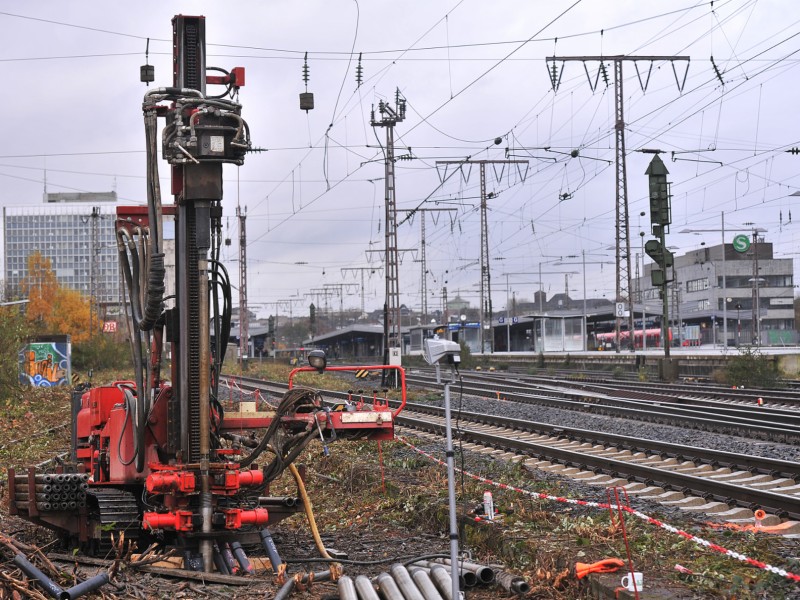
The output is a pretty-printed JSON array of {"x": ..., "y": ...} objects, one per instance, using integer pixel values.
[{"x": 406, "y": 560}]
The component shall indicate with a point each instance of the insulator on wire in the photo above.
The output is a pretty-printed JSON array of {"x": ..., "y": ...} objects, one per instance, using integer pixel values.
[
  {"x": 359, "y": 72},
  {"x": 717, "y": 71},
  {"x": 554, "y": 75},
  {"x": 604, "y": 73},
  {"x": 306, "y": 98},
  {"x": 147, "y": 72},
  {"x": 305, "y": 70}
]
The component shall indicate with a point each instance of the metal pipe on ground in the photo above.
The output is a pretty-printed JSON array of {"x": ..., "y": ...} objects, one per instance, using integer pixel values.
[
  {"x": 485, "y": 574},
  {"x": 55, "y": 590},
  {"x": 443, "y": 582},
  {"x": 425, "y": 584},
  {"x": 389, "y": 587},
  {"x": 365, "y": 589},
  {"x": 90, "y": 585},
  {"x": 48, "y": 585},
  {"x": 512, "y": 583},
  {"x": 466, "y": 578},
  {"x": 404, "y": 581},
  {"x": 289, "y": 586},
  {"x": 347, "y": 588}
]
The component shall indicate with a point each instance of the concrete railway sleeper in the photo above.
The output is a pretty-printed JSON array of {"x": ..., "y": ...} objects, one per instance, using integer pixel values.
[
  {"x": 729, "y": 485},
  {"x": 781, "y": 427},
  {"x": 726, "y": 493}
]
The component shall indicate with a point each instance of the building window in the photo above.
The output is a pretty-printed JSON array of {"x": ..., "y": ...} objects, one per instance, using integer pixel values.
[{"x": 697, "y": 285}]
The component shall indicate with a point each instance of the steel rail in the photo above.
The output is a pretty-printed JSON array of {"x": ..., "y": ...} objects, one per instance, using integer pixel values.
[
  {"x": 607, "y": 389},
  {"x": 720, "y": 491},
  {"x": 646, "y": 411},
  {"x": 731, "y": 494},
  {"x": 718, "y": 458},
  {"x": 680, "y": 390}
]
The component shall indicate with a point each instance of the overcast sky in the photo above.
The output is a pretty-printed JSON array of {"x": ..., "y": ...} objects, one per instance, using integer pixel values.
[{"x": 471, "y": 71}]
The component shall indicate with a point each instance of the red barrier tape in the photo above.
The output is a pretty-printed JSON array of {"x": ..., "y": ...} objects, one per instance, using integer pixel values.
[{"x": 604, "y": 506}]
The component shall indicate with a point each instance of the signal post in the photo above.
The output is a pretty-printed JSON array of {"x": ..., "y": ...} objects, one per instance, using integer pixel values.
[{"x": 660, "y": 219}]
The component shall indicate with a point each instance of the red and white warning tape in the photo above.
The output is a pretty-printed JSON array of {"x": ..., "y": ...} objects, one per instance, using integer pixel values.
[{"x": 605, "y": 506}]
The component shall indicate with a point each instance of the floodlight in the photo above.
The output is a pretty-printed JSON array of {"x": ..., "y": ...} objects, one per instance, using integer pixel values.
[
  {"x": 435, "y": 350},
  {"x": 317, "y": 359}
]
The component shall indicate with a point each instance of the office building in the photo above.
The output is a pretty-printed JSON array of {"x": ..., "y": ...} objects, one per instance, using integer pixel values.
[
  {"x": 69, "y": 236},
  {"x": 752, "y": 289}
]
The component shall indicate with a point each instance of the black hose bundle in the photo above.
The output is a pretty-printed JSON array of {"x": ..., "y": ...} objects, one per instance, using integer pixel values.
[
  {"x": 155, "y": 292},
  {"x": 286, "y": 449}
]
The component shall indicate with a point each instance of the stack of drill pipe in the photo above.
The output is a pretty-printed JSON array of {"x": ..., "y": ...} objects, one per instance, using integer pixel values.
[
  {"x": 484, "y": 573},
  {"x": 466, "y": 578},
  {"x": 398, "y": 584},
  {"x": 52, "y": 492}
]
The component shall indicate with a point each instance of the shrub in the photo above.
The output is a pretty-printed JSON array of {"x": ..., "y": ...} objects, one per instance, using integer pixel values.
[
  {"x": 100, "y": 353},
  {"x": 467, "y": 360},
  {"x": 752, "y": 369},
  {"x": 13, "y": 332}
]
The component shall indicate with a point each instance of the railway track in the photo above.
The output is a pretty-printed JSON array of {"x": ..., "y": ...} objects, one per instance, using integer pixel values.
[
  {"x": 787, "y": 398},
  {"x": 757, "y": 422},
  {"x": 729, "y": 485}
]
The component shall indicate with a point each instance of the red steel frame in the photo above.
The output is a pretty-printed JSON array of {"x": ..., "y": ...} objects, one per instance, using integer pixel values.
[{"x": 360, "y": 368}]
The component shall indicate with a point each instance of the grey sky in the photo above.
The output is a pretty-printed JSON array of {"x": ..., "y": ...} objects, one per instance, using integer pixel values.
[{"x": 471, "y": 71}]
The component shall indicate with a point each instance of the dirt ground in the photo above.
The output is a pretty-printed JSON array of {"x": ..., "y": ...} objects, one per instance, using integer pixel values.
[{"x": 384, "y": 504}]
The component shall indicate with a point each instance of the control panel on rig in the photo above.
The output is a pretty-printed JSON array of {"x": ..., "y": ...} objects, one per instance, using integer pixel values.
[{"x": 157, "y": 455}]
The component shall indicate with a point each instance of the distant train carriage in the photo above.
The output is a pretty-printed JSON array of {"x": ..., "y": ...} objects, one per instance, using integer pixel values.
[{"x": 607, "y": 341}]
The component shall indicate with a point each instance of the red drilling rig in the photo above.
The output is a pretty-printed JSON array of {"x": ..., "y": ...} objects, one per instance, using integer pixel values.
[{"x": 161, "y": 459}]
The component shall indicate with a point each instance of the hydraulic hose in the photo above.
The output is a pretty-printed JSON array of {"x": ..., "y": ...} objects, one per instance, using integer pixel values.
[
  {"x": 155, "y": 292},
  {"x": 130, "y": 269},
  {"x": 312, "y": 522}
]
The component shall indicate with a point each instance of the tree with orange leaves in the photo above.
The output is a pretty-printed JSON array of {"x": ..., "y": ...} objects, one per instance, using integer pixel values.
[
  {"x": 40, "y": 287},
  {"x": 51, "y": 307}
]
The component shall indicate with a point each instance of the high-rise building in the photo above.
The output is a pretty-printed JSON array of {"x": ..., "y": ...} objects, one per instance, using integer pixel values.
[
  {"x": 83, "y": 197},
  {"x": 70, "y": 236}
]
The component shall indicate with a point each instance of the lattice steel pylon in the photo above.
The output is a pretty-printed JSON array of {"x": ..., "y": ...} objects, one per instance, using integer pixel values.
[
  {"x": 422, "y": 254},
  {"x": 623, "y": 243},
  {"x": 486, "y": 277},
  {"x": 94, "y": 308},
  {"x": 392, "y": 350},
  {"x": 244, "y": 321}
]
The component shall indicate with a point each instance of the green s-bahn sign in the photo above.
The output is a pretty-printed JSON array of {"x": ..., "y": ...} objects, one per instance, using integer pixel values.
[{"x": 741, "y": 243}]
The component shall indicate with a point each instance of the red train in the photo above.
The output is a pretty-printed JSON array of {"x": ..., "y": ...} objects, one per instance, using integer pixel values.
[{"x": 652, "y": 336}]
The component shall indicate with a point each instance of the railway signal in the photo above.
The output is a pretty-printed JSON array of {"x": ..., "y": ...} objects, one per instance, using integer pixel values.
[{"x": 660, "y": 218}]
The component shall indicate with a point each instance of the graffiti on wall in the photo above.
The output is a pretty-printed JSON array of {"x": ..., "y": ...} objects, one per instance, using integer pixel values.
[{"x": 45, "y": 363}]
